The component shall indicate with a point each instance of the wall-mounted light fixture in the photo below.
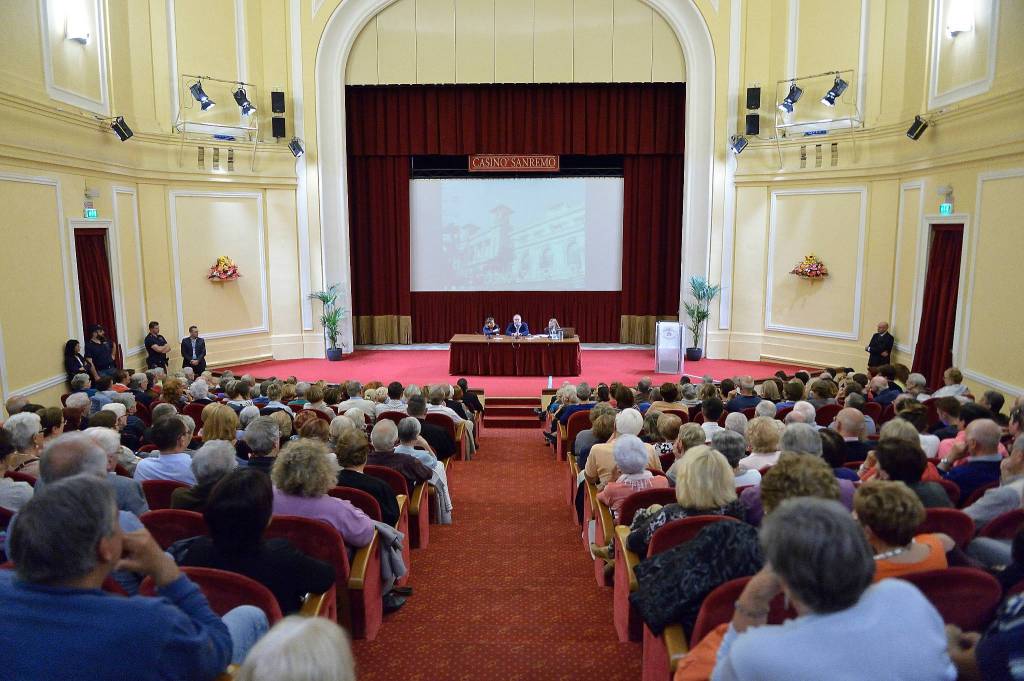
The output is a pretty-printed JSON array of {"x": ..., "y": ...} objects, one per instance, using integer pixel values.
[{"x": 959, "y": 18}]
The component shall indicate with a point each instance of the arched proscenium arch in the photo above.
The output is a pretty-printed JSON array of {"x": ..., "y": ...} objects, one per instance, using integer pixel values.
[{"x": 340, "y": 34}]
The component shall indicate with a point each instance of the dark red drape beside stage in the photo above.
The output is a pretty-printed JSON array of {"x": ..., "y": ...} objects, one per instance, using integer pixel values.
[
  {"x": 934, "y": 352},
  {"x": 388, "y": 124},
  {"x": 96, "y": 295}
]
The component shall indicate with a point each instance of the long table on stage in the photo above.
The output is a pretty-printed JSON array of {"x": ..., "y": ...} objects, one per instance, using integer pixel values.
[{"x": 477, "y": 355}]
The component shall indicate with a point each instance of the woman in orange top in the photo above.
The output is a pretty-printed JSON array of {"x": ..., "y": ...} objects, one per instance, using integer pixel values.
[{"x": 890, "y": 513}]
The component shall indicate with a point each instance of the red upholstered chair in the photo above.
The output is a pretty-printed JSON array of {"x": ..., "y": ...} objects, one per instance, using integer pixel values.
[
  {"x": 684, "y": 416},
  {"x": 933, "y": 413},
  {"x": 780, "y": 414},
  {"x": 699, "y": 418},
  {"x": 145, "y": 449},
  {"x": 320, "y": 415},
  {"x": 642, "y": 499},
  {"x": 358, "y": 591},
  {"x": 196, "y": 412},
  {"x": 142, "y": 411},
  {"x": 226, "y": 591},
  {"x": 718, "y": 607},
  {"x": 956, "y": 524},
  {"x": 158, "y": 492},
  {"x": 64, "y": 399},
  {"x": 977, "y": 494},
  {"x": 395, "y": 416},
  {"x": 122, "y": 471},
  {"x": 693, "y": 412},
  {"x": 888, "y": 413},
  {"x": 446, "y": 422},
  {"x": 874, "y": 410},
  {"x": 682, "y": 531},
  {"x": 578, "y": 422},
  {"x": 368, "y": 504},
  {"x": 168, "y": 525},
  {"x": 667, "y": 459},
  {"x": 604, "y": 530},
  {"x": 963, "y": 596},
  {"x": 827, "y": 414},
  {"x": 853, "y": 465},
  {"x": 414, "y": 522},
  {"x": 952, "y": 490},
  {"x": 21, "y": 477},
  {"x": 1004, "y": 526}
]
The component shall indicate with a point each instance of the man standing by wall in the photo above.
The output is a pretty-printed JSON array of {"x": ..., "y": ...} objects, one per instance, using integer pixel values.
[
  {"x": 193, "y": 351},
  {"x": 157, "y": 348},
  {"x": 100, "y": 351},
  {"x": 880, "y": 348}
]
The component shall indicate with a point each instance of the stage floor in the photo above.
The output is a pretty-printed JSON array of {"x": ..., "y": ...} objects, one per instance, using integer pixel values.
[{"x": 431, "y": 366}]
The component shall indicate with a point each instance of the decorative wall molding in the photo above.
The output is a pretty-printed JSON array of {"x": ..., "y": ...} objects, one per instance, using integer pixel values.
[
  {"x": 340, "y": 33},
  {"x": 136, "y": 230},
  {"x": 172, "y": 197},
  {"x": 114, "y": 264},
  {"x": 241, "y": 62},
  {"x": 914, "y": 312},
  {"x": 301, "y": 169},
  {"x": 1006, "y": 388},
  {"x": 973, "y": 88},
  {"x": 966, "y": 305},
  {"x": 793, "y": 39},
  {"x": 99, "y": 106},
  {"x": 731, "y": 126},
  {"x": 854, "y": 332}
]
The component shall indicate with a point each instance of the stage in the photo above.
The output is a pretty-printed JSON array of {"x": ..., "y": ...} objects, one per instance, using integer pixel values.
[{"x": 431, "y": 366}]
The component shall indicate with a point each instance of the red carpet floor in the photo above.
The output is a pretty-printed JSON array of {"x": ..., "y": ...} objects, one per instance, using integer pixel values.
[
  {"x": 507, "y": 591},
  {"x": 428, "y": 366}
]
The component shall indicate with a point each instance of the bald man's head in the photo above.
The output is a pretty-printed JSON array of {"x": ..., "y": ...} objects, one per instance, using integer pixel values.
[
  {"x": 850, "y": 422},
  {"x": 70, "y": 454},
  {"x": 983, "y": 437}
]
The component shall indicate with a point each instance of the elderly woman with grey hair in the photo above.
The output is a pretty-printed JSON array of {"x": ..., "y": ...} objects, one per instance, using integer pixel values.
[
  {"x": 263, "y": 440},
  {"x": 210, "y": 463},
  {"x": 819, "y": 558},
  {"x": 737, "y": 423},
  {"x": 299, "y": 648},
  {"x": 26, "y": 432},
  {"x": 129, "y": 491},
  {"x": 200, "y": 392},
  {"x": 733, "y": 447},
  {"x": 631, "y": 461}
]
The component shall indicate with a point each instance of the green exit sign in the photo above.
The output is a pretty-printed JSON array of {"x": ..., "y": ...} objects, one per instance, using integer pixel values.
[
  {"x": 945, "y": 209},
  {"x": 91, "y": 213}
]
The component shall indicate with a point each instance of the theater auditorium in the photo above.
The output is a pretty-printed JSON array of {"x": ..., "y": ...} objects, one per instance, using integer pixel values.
[{"x": 471, "y": 340}]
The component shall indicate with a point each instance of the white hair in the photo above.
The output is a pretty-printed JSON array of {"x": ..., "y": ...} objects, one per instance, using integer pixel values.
[
  {"x": 383, "y": 435},
  {"x": 412, "y": 389},
  {"x": 301, "y": 388},
  {"x": 106, "y": 439},
  {"x": 357, "y": 416},
  {"x": 765, "y": 408},
  {"x": 22, "y": 428},
  {"x": 806, "y": 409},
  {"x": 916, "y": 380},
  {"x": 116, "y": 408},
  {"x": 736, "y": 422},
  {"x": 213, "y": 460},
  {"x": 630, "y": 454},
  {"x": 300, "y": 648},
  {"x": 190, "y": 424},
  {"x": 77, "y": 401},
  {"x": 199, "y": 390},
  {"x": 247, "y": 415},
  {"x": 629, "y": 422}
]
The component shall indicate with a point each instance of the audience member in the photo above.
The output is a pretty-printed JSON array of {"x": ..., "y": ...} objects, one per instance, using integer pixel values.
[
  {"x": 1008, "y": 496},
  {"x": 769, "y": 390},
  {"x": 712, "y": 411},
  {"x": 763, "y": 434},
  {"x": 849, "y": 424},
  {"x": 13, "y": 494},
  {"x": 746, "y": 398},
  {"x": 300, "y": 649},
  {"x": 834, "y": 454},
  {"x": 411, "y": 443},
  {"x": 127, "y": 491},
  {"x": 820, "y": 560},
  {"x": 220, "y": 422},
  {"x": 734, "y": 448},
  {"x": 737, "y": 423},
  {"x": 631, "y": 462},
  {"x": 793, "y": 392},
  {"x": 600, "y": 465},
  {"x": 170, "y": 436},
  {"x": 917, "y": 387},
  {"x": 903, "y": 461},
  {"x": 263, "y": 438},
  {"x": 26, "y": 433},
  {"x": 765, "y": 408},
  {"x": 355, "y": 399},
  {"x": 953, "y": 385},
  {"x": 383, "y": 438},
  {"x": 351, "y": 448},
  {"x": 437, "y": 437},
  {"x": 238, "y": 510},
  {"x": 890, "y": 515},
  {"x": 705, "y": 486},
  {"x": 210, "y": 463},
  {"x": 981, "y": 450}
]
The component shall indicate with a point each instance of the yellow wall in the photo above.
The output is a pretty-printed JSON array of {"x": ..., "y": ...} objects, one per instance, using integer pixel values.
[{"x": 511, "y": 41}]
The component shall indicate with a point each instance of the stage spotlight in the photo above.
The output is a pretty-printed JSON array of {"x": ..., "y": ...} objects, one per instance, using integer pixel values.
[
  {"x": 243, "y": 102},
  {"x": 197, "y": 92},
  {"x": 295, "y": 146},
  {"x": 737, "y": 143},
  {"x": 121, "y": 128},
  {"x": 917, "y": 128},
  {"x": 838, "y": 88},
  {"x": 791, "y": 99}
]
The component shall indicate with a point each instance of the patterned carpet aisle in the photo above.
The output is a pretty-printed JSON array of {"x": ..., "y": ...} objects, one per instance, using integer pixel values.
[{"x": 507, "y": 592}]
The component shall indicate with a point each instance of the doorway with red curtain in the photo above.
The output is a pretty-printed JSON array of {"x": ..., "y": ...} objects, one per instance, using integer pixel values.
[
  {"x": 94, "y": 288},
  {"x": 934, "y": 352}
]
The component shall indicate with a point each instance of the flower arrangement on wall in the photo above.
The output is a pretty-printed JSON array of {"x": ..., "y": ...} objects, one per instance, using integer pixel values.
[
  {"x": 810, "y": 268},
  {"x": 225, "y": 269}
]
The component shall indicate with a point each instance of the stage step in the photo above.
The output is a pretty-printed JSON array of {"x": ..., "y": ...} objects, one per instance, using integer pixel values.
[
  {"x": 511, "y": 410},
  {"x": 496, "y": 401},
  {"x": 510, "y": 422}
]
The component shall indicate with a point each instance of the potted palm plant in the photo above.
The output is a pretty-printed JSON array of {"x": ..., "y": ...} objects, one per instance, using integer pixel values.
[
  {"x": 702, "y": 292},
  {"x": 331, "y": 319}
]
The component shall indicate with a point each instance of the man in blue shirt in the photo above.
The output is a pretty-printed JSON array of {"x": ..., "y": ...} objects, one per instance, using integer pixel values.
[
  {"x": 981, "y": 449},
  {"x": 518, "y": 327},
  {"x": 59, "y": 624},
  {"x": 746, "y": 399},
  {"x": 170, "y": 438}
]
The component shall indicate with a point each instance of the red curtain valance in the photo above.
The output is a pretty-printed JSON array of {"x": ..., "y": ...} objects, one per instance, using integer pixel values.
[{"x": 613, "y": 118}]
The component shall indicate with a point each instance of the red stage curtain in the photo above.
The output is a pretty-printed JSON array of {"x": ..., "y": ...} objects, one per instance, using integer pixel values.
[
  {"x": 388, "y": 124},
  {"x": 437, "y": 316},
  {"x": 629, "y": 119},
  {"x": 96, "y": 293},
  {"x": 934, "y": 352}
]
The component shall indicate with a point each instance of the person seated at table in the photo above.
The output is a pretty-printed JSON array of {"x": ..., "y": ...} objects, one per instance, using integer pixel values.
[
  {"x": 491, "y": 328},
  {"x": 553, "y": 327},
  {"x": 517, "y": 327}
]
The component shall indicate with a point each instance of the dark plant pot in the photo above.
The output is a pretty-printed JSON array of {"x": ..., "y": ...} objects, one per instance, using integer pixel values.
[
  {"x": 334, "y": 355},
  {"x": 694, "y": 354}
]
